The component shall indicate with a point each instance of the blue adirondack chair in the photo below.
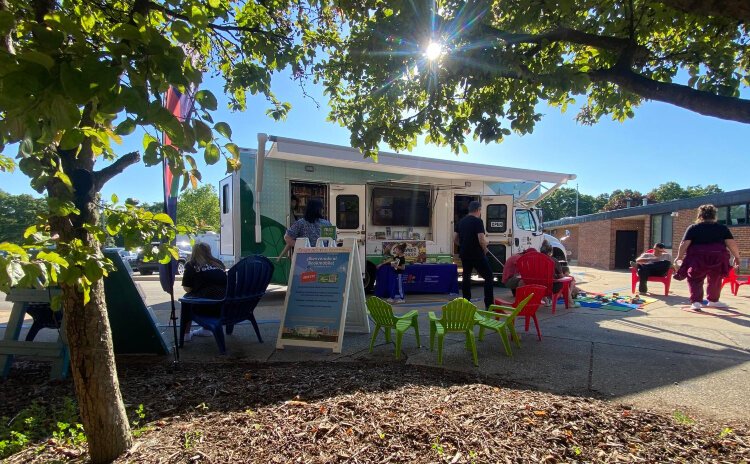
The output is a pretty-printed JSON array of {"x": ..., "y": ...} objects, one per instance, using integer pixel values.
[{"x": 247, "y": 282}]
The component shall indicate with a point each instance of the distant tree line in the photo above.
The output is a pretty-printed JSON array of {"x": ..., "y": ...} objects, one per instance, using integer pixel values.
[
  {"x": 197, "y": 208},
  {"x": 562, "y": 202}
]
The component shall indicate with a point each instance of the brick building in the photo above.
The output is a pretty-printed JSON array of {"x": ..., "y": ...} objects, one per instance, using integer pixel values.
[{"x": 612, "y": 239}]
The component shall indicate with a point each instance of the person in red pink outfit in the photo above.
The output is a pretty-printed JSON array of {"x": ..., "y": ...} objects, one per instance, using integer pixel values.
[{"x": 704, "y": 255}]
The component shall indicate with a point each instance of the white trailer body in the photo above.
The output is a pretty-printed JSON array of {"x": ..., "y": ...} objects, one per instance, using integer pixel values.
[{"x": 398, "y": 198}]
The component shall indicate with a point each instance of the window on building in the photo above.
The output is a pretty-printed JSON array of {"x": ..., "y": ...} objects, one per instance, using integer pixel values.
[
  {"x": 661, "y": 229},
  {"x": 524, "y": 220},
  {"x": 722, "y": 214},
  {"x": 347, "y": 212},
  {"x": 738, "y": 215},
  {"x": 400, "y": 207}
]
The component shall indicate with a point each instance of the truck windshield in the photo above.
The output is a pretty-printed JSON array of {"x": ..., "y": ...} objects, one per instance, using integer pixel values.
[{"x": 524, "y": 220}]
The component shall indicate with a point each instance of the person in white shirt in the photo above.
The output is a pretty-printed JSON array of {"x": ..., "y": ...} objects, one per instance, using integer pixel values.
[{"x": 656, "y": 263}]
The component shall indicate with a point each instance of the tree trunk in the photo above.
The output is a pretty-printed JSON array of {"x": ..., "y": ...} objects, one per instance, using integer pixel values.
[
  {"x": 92, "y": 362},
  {"x": 92, "y": 358}
]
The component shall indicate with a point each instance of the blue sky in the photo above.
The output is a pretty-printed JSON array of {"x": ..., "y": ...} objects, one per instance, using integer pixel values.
[{"x": 662, "y": 143}]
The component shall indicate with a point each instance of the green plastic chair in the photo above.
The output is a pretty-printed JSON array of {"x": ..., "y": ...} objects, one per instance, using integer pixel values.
[
  {"x": 458, "y": 316},
  {"x": 501, "y": 323},
  {"x": 382, "y": 313}
]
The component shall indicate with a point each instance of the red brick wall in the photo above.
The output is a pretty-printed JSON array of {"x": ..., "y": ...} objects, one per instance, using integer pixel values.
[{"x": 595, "y": 244}]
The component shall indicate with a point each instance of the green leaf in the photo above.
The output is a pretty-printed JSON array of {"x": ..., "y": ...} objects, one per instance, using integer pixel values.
[
  {"x": 88, "y": 22},
  {"x": 148, "y": 139},
  {"x": 52, "y": 257},
  {"x": 92, "y": 270},
  {"x": 61, "y": 208},
  {"x": 72, "y": 138},
  {"x": 182, "y": 32},
  {"x": 126, "y": 31},
  {"x": 214, "y": 3},
  {"x": 26, "y": 148},
  {"x": 31, "y": 230},
  {"x": 38, "y": 57},
  {"x": 162, "y": 217},
  {"x": 206, "y": 99},
  {"x": 233, "y": 149},
  {"x": 14, "y": 250},
  {"x": 202, "y": 132},
  {"x": 126, "y": 127},
  {"x": 211, "y": 155},
  {"x": 223, "y": 129},
  {"x": 115, "y": 199},
  {"x": 15, "y": 272}
]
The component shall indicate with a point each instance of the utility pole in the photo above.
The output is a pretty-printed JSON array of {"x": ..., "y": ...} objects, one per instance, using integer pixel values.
[{"x": 576, "y": 199}]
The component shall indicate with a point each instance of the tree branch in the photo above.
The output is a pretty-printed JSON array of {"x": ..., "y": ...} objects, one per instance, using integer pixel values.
[
  {"x": 705, "y": 103},
  {"x": 102, "y": 176}
]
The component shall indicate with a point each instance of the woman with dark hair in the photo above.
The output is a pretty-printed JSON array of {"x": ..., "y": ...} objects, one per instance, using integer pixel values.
[
  {"x": 704, "y": 254},
  {"x": 308, "y": 226}
]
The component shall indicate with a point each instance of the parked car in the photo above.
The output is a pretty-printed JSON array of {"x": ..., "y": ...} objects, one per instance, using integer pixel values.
[
  {"x": 149, "y": 267},
  {"x": 126, "y": 255}
]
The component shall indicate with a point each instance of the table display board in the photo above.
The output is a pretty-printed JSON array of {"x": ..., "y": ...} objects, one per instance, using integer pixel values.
[
  {"x": 414, "y": 252},
  {"x": 418, "y": 278},
  {"x": 325, "y": 297}
]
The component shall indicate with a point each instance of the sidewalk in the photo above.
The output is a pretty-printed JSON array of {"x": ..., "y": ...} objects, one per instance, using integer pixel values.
[{"x": 664, "y": 356}]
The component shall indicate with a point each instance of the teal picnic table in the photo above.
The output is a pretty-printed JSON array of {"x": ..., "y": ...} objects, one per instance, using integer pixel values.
[{"x": 57, "y": 351}]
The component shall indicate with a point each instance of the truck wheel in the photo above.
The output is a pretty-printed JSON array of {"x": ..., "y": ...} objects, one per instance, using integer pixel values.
[
  {"x": 369, "y": 280},
  {"x": 180, "y": 267}
]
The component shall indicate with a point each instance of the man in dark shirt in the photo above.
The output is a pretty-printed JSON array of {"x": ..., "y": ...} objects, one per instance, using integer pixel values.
[{"x": 470, "y": 236}]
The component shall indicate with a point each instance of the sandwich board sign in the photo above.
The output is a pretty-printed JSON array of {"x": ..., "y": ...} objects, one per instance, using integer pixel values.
[{"x": 325, "y": 296}]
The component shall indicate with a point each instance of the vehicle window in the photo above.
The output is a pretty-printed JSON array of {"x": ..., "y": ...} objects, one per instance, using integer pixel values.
[
  {"x": 347, "y": 211},
  {"x": 225, "y": 199},
  {"x": 524, "y": 220},
  {"x": 497, "y": 218},
  {"x": 400, "y": 207}
]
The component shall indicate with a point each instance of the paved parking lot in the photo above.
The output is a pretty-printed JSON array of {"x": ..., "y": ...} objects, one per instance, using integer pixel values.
[{"x": 663, "y": 357}]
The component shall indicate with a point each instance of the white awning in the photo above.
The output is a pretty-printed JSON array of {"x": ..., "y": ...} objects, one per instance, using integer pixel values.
[{"x": 324, "y": 154}]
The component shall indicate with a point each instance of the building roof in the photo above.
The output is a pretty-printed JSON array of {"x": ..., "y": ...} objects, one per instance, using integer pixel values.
[
  {"x": 716, "y": 199},
  {"x": 346, "y": 157}
]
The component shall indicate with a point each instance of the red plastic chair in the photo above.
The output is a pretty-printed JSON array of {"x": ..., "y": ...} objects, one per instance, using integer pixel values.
[
  {"x": 529, "y": 311},
  {"x": 666, "y": 280},
  {"x": 539, "y": 269},
  {"x": 731, "y": 279},
  {"x": 734, "y": 281}
]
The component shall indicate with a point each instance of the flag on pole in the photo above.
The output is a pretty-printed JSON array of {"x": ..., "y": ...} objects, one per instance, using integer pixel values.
[{"x": 180, "y": 105}]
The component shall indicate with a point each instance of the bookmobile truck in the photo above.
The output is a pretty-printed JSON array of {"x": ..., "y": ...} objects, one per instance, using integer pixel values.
[{"x": 399, "y": 198}]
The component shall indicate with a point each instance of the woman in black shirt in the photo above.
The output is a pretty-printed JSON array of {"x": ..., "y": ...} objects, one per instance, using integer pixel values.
[
  {"x": 205, "y": 277},
  {"x": 705, "y": 249}
]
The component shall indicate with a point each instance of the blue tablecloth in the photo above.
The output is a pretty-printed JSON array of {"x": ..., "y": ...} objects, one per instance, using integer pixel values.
[{"x": 418, "y": 278}]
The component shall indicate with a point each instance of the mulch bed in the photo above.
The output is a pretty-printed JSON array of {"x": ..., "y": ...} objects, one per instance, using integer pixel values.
[{"x": 335, "y": 412}]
